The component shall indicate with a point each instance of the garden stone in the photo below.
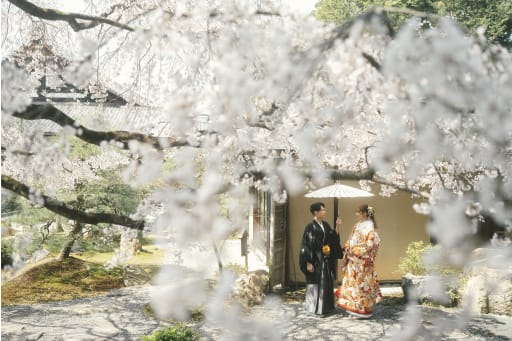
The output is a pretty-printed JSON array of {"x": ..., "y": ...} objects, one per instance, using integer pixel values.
[
  {"x": 486, "y": 293},
  {"x": 488, "y": 290},
  {"x": 425, "y": 289},
  {"x": 135, "y": 275},
  {"x": 414, "y": 287},
  {"x": 250, "y": 288}
]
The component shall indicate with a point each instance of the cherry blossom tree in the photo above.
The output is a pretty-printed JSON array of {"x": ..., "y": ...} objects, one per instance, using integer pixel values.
[{"x": 285, "y": 103}]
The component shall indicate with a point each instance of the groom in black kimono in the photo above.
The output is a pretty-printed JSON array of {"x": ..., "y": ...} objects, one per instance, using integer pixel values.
[{"x": 319, "y": 249}]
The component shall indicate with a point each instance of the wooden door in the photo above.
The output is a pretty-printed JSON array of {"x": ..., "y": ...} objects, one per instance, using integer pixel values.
[{"x": 277, "y": 261}]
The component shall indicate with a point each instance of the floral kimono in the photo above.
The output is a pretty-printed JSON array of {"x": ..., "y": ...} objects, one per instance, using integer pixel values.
[{"x": 360, "y": 289}]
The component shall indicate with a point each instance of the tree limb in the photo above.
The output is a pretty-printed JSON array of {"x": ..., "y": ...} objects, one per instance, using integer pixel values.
[
  {"x": 404, "y": 188},
  {"x": 369, "y": 174},
  {"x": 260, "y": 124},
  {"x": 16, "y": 152},
  {"x": 70, "y": 18},
  {"x": 366, "y": 174},
  {"x": 408, "y": 11},
  {"x": 68, "y": 211},
  {"x": 270, "y": 110},
  {"x": 373, "y": 62},
  {"x": 50, "y": 112},
  {"x": 438, "y": 171},
  {"x": 342, "y": 31}
]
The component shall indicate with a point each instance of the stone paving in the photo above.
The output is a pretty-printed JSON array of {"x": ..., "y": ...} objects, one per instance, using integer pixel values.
[{"x": 120, "y": 316}]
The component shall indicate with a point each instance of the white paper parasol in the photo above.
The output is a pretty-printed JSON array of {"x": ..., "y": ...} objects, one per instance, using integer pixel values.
[{"x": 338, "y": 191}]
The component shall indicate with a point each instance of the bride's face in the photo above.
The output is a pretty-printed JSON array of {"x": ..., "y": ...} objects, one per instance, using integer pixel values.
[{"x": 360, "y": 215}]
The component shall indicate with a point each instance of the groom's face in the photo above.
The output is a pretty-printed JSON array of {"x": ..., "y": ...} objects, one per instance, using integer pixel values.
[{"x": 320, "y": 215}]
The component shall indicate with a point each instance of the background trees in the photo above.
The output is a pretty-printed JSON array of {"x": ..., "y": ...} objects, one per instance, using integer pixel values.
[
  {"x": 493, "y": 16},
  {"x": 269, "y": 101}
]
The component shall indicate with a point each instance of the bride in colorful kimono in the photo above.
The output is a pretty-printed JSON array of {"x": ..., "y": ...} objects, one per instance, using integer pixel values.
[{"x": 360, "y": 290}]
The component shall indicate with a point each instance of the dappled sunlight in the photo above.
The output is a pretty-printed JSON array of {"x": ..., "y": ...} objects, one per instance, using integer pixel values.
[{"x": 195, "y": 121}]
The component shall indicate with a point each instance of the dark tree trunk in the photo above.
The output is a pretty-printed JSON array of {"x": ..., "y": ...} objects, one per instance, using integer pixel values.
[
  {"x": 73, "y": 235},
  {"x": 59, "y": 225}
]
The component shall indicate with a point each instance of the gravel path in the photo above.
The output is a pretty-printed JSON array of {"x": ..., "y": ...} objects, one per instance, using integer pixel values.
[{"x": 120, "y": 316}]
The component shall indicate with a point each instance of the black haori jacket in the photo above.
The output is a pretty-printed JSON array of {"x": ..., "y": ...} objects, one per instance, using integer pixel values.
[{"x": 311, "y": 246}]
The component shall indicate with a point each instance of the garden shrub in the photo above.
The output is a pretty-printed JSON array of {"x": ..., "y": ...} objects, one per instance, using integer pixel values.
[
  {"x": 179, "y": 332},
  {"x": 413, "y": 261}
]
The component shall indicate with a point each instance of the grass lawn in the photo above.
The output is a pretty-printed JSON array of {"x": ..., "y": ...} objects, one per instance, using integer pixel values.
[{"x": 149, "y": 258}]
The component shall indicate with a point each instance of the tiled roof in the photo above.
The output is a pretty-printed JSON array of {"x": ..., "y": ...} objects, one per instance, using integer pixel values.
[{"x": 99, "y": 117}]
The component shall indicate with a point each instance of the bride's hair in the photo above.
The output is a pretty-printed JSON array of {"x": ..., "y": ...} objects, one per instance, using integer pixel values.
[{"x": 370, "y": 213}]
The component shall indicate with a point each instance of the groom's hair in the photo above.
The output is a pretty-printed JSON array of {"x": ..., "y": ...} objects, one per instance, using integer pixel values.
[{"x": 317, "y": 206}]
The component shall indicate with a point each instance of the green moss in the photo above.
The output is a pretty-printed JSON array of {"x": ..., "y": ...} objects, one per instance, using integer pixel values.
[{"x": 60, "y": 280}]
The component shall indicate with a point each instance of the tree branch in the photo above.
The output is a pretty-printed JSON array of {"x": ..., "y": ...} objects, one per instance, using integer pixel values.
[
  {"x": 404, "y": 188},
  {"x": 366, "y": 174},
  {"x": 424, "y": 15},
  {"x": 335, "y": 175},
  {"x": 68, "y": 211},
  {"x": 70, "y": 18},
  {"x": 50, "y": 112},
  {"x": 343, "y": 31},
  {"x": 438, "y": 171},
  {"x": 261, "y": 125},
  {"x": 270, "y": 110},
  {"x": 408, "y": 11},
  {"x": 373, "y": 62},
  {"x": 16, "y": 152}
]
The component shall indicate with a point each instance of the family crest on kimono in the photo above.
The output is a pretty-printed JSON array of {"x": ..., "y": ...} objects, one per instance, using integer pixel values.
[
  {"x": 360, "y": 290},
  {"x": 320, "y": 248}
]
